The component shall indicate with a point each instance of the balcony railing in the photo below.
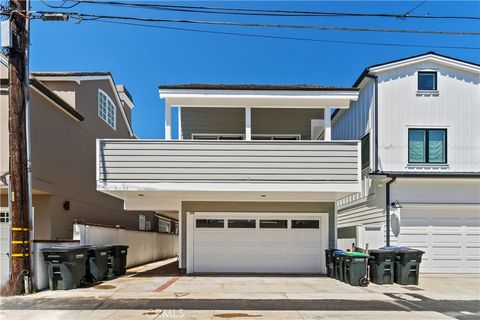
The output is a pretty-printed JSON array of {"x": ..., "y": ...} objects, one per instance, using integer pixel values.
[{"x": 273, "y": 162}]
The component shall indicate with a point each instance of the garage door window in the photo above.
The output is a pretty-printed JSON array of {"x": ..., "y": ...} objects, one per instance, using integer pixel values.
[
  {"x": 241, "y": 223},
  {"x": 273, "y": 224},
  {"x": 209, "y": 223},
  {"x": 305, "y": 224}
]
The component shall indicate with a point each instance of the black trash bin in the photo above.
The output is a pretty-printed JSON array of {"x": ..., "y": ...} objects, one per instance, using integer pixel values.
[
  {"x": 382, "y": 266},
  {"x": 97, "y": 263},
  {"x": 355, "y": 268},
  {"x": 407, "y": 266},
  {"x": 330, "y": 262},
  {"x": 117, "y": 260},
  {"x": 338, "y": 264},
  {"x": 66, "y": 267}
]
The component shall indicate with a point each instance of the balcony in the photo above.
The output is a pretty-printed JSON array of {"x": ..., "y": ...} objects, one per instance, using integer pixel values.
[{"x": 300, "y": 169}]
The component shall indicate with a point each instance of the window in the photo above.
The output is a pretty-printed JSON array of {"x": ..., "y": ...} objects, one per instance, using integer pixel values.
[
  {"x": 427, "y": 146},
  {"x": 106, "y": 109},
  {"x": 365, "y": 151},
  {"x": 164, "y": 226},
  {"x": 427, "y": 81},
  {"x": 212, "y": 136},
  {"x": 241, "y": 223},
  {"x": 305, "y": 224},
  {"x": 276, "y": 137},
  {"x": 209, "y": 223},
  {"x": 273, "y": 224},
  {"x": 4, "y": 217}
]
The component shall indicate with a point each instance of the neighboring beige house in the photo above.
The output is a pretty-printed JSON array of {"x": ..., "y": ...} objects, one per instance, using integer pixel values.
[{"x": 69, "y": 111}]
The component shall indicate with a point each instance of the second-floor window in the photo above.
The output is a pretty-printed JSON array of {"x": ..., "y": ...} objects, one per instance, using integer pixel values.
[
  {"x": 427, "y": 81},
  {"x": 427, "y": 146},
  {"x": 106, "y": 109},
  {"x": 365, "y": 150}
]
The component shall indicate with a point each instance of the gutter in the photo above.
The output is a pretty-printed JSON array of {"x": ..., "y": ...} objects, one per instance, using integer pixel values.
[
  {"x": 387, "y": 200},
  {"x": 375, "y": 121}
]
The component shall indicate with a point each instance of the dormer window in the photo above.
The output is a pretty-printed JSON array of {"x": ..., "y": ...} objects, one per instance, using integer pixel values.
[
  {"x": 106, "y": 109},
  {"x": 427, "y": 81}
]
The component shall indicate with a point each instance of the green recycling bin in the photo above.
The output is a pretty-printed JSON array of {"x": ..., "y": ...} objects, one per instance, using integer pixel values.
[
  {"x": 117, "y": 260},
  {"x": 330, "y": 262},
  {"x": 407, "y": 266},
  {"x": 382, "y": 266},
  {"x": 97, "y": 263},
  {"x": 66, "y": 267},
  {"x": 338, "y": 264},
  {"x": 355, "y": 268}
]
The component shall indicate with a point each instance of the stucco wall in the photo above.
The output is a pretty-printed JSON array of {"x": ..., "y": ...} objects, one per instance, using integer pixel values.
[
  {"x": 63, "y": 160},
  {"x": 289, "y": 207}
]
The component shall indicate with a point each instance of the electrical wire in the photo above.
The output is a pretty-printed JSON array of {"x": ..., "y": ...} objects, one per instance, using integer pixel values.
[
  {"x": 86, "y": 17},
  {"x": 268, "y": 12},
  {"x": 263, "y": 36}
]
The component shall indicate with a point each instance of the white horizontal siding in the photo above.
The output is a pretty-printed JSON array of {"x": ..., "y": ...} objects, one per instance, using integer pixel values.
[{"x": 225, "y": 161}]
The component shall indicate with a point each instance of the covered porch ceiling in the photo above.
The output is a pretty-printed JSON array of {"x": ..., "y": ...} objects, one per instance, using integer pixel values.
[{"x": 169, "y": 201}]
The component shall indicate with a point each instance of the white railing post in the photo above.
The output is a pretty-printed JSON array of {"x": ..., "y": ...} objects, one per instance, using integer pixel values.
[
  {"x": 328, "y": 124},
  {"x": 168, "y": 121},
  {"x": 180, "y": 133},
  {"x": 248, "y": 123}
]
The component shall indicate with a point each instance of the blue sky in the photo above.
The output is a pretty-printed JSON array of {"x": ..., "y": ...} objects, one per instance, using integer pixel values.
[{"x": 143, "y": 58}]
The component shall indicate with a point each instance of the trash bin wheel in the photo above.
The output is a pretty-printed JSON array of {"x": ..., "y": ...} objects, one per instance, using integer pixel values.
[{"x": 363, "y": 282}]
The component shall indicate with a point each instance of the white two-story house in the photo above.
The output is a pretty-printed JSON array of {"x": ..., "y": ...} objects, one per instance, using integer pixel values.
[
  {"x": 253, "y": 178},
  {"x": 419, "y": 122}
]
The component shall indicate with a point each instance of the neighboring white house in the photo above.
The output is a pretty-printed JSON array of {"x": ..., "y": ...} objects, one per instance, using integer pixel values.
[
  {"x": 419, "y": 122},
  {"x": 253, "y": 179}
]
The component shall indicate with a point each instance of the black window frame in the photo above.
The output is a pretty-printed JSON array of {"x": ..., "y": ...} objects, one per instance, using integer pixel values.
[
  {"x": 365, "y": 163},
  {"x": 248, "y": 221},
  {"x": 427, "y": 145},
  {"x": 209, "y": 226},
  {"x": 297, "y": 224},
  {"x": 435, "y": 73},
  {"x": 284, "y": 224}
]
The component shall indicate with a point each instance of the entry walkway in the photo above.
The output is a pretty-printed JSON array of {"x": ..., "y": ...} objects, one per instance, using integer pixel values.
[{"x": 157, "y": 291}]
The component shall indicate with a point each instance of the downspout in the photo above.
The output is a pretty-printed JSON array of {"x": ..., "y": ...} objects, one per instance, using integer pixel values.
[
  {"x": 375, "y": 122},
  {"x": 387, "y": 200}
]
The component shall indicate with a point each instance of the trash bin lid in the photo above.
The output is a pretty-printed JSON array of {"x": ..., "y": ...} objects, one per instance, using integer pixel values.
[
  {"x": 339, "y": 252},
  {"x": 356, "y": 254}
]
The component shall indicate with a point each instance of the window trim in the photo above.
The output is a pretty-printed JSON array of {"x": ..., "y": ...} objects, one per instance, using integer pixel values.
[
  {"x": 426, "y": 150},
  {"x": 114, "y": 127},
  {"x": 427, "y": 72}
]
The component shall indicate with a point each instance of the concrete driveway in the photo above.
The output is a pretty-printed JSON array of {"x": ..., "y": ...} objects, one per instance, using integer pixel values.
[{"x": 157, "y": 291}]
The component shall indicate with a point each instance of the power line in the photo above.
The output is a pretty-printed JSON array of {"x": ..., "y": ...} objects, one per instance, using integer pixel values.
[
  {"x": 267, "y": 12},
  {"x": 86, "y": 16},
  {"x": 289, "y": 38}
]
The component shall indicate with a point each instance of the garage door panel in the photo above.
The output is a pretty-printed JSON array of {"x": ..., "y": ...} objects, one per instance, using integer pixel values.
[
  {"x": 264, "y": 250},
  {"x": 449, "y": 237}
]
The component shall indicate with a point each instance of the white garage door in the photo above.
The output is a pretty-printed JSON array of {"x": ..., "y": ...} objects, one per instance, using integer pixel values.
[
  {"x": 450, "y": 238},
  {"x": 259, "y": 243}
]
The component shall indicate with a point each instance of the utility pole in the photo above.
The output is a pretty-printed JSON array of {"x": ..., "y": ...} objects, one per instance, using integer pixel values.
[{"x": 18, "y": 149}]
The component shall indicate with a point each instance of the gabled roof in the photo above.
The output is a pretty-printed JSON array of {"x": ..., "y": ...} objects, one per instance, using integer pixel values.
[
  {"x": 79, "y": 76},
  {"x": 286, "y": 87},
  {"x": 415, "y": 59},
  {"x": 49, "y": 94}
]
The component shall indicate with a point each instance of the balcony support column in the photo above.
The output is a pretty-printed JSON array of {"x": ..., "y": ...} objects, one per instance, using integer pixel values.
[
  {"x": 180, "y": 132},
  {"x": 248, "y": 123},
  {"x": 328, "y": 124},
  {"x": 168, "y": 121}
]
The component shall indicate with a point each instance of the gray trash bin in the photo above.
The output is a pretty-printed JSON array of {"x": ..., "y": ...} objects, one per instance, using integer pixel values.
[
  {"x": 117, "y": 260},
  {"x": 407, "y": 266},
  {"x": 66, "y": 267},
  {"x": 382, "y": 266},
  {"x": 97, "y": 263}
]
